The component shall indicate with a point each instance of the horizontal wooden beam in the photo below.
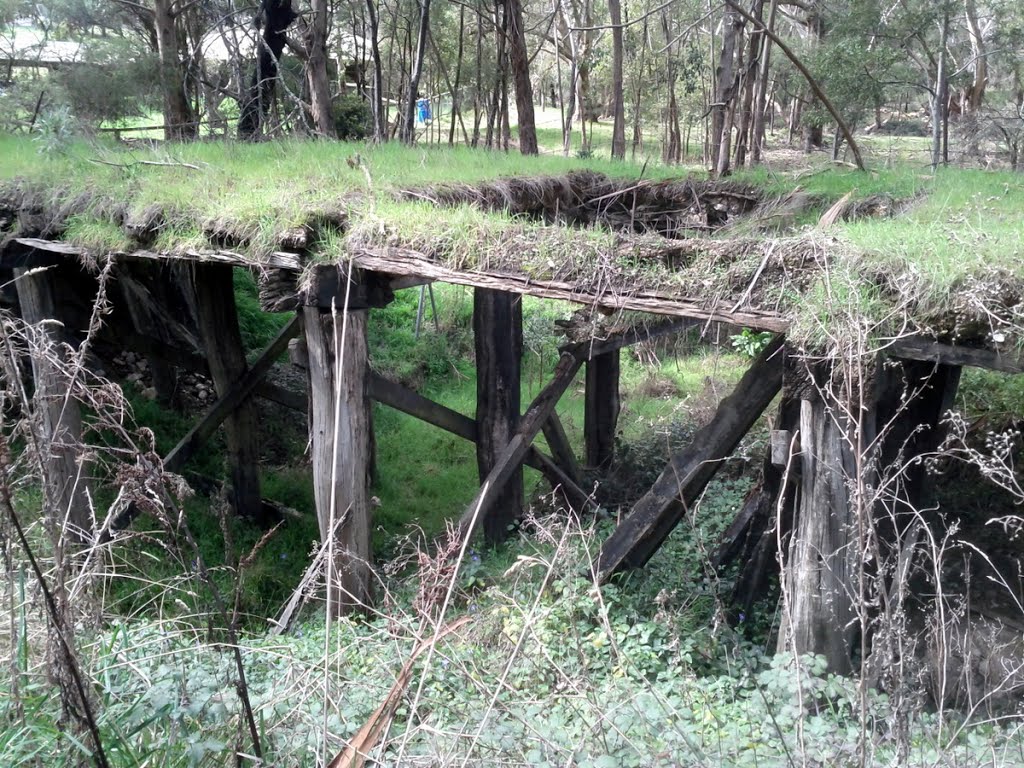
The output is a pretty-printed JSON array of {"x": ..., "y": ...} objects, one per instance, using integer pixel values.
[
  {"x": 405, "y": 261},
  {"x": 402, "y": 399},
  {"x": 276, "y": 260},
  {"x": 926, "y": 350}
]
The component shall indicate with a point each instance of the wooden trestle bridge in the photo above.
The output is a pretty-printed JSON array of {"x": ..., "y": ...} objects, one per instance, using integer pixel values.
[{"x": 179, "y": 312}]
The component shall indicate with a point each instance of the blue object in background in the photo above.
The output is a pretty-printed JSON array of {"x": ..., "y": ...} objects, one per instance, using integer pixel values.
[{"x": 423, "y": 113}]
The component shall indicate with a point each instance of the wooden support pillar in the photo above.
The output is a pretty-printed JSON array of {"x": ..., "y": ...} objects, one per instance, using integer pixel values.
[
  {"x": 59, "y": 423},
  {"x": 143, "y": 288},
  {"x": 498, "y": 335},
  {"x": 340, "y": 428},
  {"x": 821, "y": 563},
  {"x": 218, "y": 326},
  {"x": 601, "y": 409}
]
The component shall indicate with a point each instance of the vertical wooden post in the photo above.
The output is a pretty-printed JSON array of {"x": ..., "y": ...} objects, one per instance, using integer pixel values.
[
  {"x": 150, "y": 277},
  {"x": 601, "y": 408},
  {"x": 218, "y": 325},
  {"x": 60, "y": 418},
  {"x": 340, "y": 428},
  {"x": 498, "y": 335},
  {"x": 820, "y": 568}
]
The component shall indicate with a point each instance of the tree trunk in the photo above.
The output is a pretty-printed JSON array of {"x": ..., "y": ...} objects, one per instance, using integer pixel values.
[
  {"x": 409, "y": 124},
  {"x": 618, "y": 100},
  {"x": 377, "y": 101},
  {"x": 498, "y": 334},
  {"x": 256, "y": 103},
  {"x": 179, "y": 121},
  {"x": 340, "y": 429},
  {"x": 520, "y": 62},
  {"x": 725, "y": 91},
  {"x": 749, "y": 81},
  {"x": 940, "y": 96},
  {"x": 316, "y": 70},
  {"x": 761, "y": 101}
]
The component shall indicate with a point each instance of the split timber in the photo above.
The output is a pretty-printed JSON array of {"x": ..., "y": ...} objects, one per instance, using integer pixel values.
[{"x": 186, "y": 322}]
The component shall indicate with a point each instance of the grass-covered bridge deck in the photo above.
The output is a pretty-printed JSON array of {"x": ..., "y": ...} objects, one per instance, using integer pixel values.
[{"x": 940, "y": 257}]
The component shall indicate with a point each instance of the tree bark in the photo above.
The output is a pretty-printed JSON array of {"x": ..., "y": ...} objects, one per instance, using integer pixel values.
[
  {"x": 316, "y": 70},
  {"x": 377, "y": 101},
  {"x": 761, "y": 99},
  {"x": 725, "y": 91},
  {"x": 520, "y": 62},
  {"x": 340, "y": 428},
  {"x": 256, "y": 103},
  {"x": 618, "y": 99},
  {"x": 498, "y": 335},
  {"x": 408, "y": 135},
  {"x": 179, "y": 120}
]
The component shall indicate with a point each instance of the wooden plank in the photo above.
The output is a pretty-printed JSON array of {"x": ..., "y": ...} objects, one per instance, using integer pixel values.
[
  {"x": 340, "y": 428},
  {"x": 601, "y": 408},
  {"x": 654, "y": 516},
  {"x": 163, "y": 373},
  {"x": 926, "y": 350},
  {"x": 512, "y": 456},
  {"x": 235, "y": 395},
  {"x": 62, "y": 451},
  {"x": 404, "y": 261},
  {"x": 498, "y": 340},
  {"x": 275, "y": 260}
]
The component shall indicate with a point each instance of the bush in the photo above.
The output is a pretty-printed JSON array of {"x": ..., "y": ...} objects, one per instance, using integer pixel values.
[{"x": 352, "y": 118}]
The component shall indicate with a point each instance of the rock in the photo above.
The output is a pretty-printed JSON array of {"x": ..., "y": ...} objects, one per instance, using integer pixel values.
[
  {"x": 143, "y": 364},
  {"x": 149, "y": 393},
  {"x": 134, "y": 378}
]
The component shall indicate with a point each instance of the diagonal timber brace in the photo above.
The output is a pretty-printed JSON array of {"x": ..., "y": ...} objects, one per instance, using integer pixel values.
[{"x": 654, "y": 516}]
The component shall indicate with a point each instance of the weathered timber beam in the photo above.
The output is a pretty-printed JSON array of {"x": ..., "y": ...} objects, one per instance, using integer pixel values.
[
  {"x": 403, "y": 261},
  {"x": 402, "y": 399},
  {"x": 498, "y": 345},
  {"x": 601, "y": 408},
  {"x": 654, "y": 516},
  {"x": 561, "y": 450},
  {"x": 925, "y": 350},
  {"x": 512, "y": 456},
  {"x": 232, "y": 399},
  {"x": 275, "y": 260},
  {"x": 59, "y": 429},
  {"x": 596, "y": 347}
]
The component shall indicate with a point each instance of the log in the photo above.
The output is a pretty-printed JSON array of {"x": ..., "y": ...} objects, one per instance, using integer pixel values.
[
  {"x": 59, "y": 418},
  {"x": 654, "y": 516},
  {"x": 340, "y": 426},
  {"x": 498, "y": 338},
  {"x": 919, "y": 348},
  {"x": 218, "y": 326},
  {"x": 601, "y": 409},
  {"x": 236, "y": 395}
]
